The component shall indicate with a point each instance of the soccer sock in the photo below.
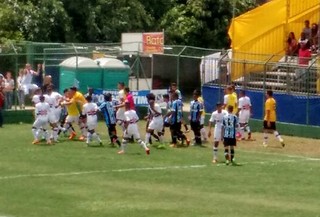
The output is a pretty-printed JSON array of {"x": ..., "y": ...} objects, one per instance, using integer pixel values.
[
  {"x": 35, "y": 133},
  {"x": 147, "y": 139},
  {"x": 241, "y": 131},
  {"x": 143, "y": 145},
  {"x": 83, "y": 129},
  {"x": 249, "y": 131},
  {"x": 46, "y": 135},
  {"x": 232, "y": 154},
  {"x": 55, "y": 133},
  {"x": 203, "y": 133},
  {"x": 124, "y": 144},
  {"x": 88, "y": 137},
  {"x": 265, "y": 138},
  {"x": 155, "y": 136},
  {"x": 186, "y": 127},
  {"x": 277, "y": 135},
  {"x": 215, "y": 153},
  {"x": 226, "y": 153},
  {"x": 96, "y": 136}
]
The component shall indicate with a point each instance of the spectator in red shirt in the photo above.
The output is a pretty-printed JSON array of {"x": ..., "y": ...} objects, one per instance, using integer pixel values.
[
  {"x": 129, "y": 98},
  {"x": 303, "y": 59}
]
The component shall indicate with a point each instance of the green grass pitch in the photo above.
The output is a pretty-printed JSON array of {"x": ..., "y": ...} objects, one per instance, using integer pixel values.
[{"x": 70, "y": 179}]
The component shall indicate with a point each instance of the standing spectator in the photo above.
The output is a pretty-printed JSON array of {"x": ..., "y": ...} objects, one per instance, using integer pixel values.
[
  {"x": 303, "y": 59},
  {"x": 314, "y": 36},
  {"x": 38, "y": 78},
  {"x": 292, "y": 45},
  {"x": 20, "y": 92},
  {"x": 46, "y": 83},
  {"x": 307, "y": 30},
  {"x": 94, "y": 97},
  {"x": 8, "y": 90},
  {"x": 1, "y": 98},
  {"x": 27, "y": 79}
]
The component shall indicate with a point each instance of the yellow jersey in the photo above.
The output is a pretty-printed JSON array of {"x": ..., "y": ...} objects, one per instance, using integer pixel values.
[
  {"x": 231, "y": 99},
  {"x": 200, "y": 99},
  {"x": 79, "y": 98},
  {"x": 72, "y": 108},
  {"x": 271, "y": 106}
]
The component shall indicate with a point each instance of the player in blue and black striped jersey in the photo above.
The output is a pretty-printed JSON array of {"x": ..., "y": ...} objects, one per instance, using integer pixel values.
[
  {"x": 229, "y": 128},
  {"x": 175, "y": 119},
  {"x": 196, "y": 109},
  {"x": 108, "y": 111}
]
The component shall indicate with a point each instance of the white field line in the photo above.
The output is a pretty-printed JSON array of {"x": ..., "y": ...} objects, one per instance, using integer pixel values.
[
  {"x": 284, "y": 155},
  {"x": 269, "y": 163},
  {"x": 100, "y": 171}
]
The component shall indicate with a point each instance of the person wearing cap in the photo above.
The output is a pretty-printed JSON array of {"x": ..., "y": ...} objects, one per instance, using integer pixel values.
[
  {"x": 131, "y": 129},
  {"x": 41, "y": 122},
  {"x": 216, "y": 119}
]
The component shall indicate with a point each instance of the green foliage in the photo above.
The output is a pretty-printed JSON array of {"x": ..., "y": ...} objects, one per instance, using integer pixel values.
[{"x": 194, "y": 22}]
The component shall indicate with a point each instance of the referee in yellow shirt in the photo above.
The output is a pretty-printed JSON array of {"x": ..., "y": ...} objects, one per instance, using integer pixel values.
[{"x": 270, "y": 117}]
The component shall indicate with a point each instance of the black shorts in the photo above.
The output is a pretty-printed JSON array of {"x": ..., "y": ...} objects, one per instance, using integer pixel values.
[
  {"x": 272, "y": 125},
  {"x": 176, "y": 127},
  {"x": 229, "y": 142}
]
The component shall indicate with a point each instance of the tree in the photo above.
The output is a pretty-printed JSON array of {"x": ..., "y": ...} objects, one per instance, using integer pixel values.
[
  {"x": 37, "y": 20},
  {"x": 198, "y": 22}
]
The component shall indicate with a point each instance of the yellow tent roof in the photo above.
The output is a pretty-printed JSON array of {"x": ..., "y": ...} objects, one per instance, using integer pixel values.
[{"x": 263, "y": 31}]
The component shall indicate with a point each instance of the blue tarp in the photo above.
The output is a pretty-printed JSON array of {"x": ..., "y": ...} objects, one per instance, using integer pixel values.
[{"x": 290, "y": 108}]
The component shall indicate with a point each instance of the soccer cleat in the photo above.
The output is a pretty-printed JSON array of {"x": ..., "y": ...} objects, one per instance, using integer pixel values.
[
  {"x": 233, "y": 162},
  {"x": 121, "y": 152},
  {"x": 72, "y": 135},
  {"x": 227, "y": 162},
  {"x": 282, "y": 143},
  {"x": 81, "y": 138},
  {"x": 49, "y": 142},
  {"x": 188, "y": 142},
  {"x": 100, "y": 143},
  {"x": 214, "y": 161},
  {"x": 147, "y": 151},
  {"x": 264, "y": 144},
  {"x": 36, "y": 141},
  {"x": 173, "y": 145}
]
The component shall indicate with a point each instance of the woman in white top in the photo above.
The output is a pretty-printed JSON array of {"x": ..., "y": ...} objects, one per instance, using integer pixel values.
[
  {"x": 8, "y": 90},
  {"x": 20, "y": 91}
]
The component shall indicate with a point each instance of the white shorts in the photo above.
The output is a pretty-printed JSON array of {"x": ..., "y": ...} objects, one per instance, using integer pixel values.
[
  {"x": 41, "y": 123},
  {"x": 132, "y": 130},
  {"x": 92, "y": 122},
  {"x": 120, "y": 114},
  {"x": 217, "y": 134},
  {"x": 92, "y": 125},
  {"x": 72, "y": 119},
  {"x": 202, "y": 120},
  {"x": 244, "y": 116},
  {"x": 156, "y": 124}
]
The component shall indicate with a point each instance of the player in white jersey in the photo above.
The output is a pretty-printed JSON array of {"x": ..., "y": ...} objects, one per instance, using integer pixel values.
[
  {"x": 155, "y": 119},
  {"x": 120, "y": 107},
  {"x": 53, "y": 99},
  {"x": 244, "y": 113},
  {"x": 36, "y": 97},
  {"x": 216, "y": 119},
  {"x": 131, "y": 129},
  {"x": 42, "y": 110},
  {"x": 90, "y": 109}
]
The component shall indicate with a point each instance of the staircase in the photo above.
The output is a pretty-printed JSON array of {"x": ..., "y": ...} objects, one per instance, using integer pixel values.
[{"x": 282, "y": 78}]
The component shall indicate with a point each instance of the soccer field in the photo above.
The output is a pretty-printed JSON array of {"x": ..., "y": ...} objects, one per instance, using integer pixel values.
[{"x": 70, "y": 179}]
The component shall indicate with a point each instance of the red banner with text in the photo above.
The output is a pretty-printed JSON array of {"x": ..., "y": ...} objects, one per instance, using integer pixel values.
[{"x": 153, "y": 42}]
